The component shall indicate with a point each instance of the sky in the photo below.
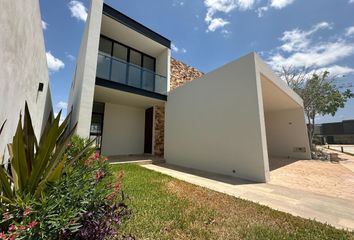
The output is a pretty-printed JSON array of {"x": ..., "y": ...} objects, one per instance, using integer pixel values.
[{"x": 206, "y": 34}]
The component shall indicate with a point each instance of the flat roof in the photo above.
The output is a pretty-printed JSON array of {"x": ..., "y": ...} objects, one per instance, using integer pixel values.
[{"x": 131, "y": 23}]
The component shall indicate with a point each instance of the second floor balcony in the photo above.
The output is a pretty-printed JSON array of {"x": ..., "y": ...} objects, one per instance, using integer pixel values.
[{"x": 124, "y": 65}]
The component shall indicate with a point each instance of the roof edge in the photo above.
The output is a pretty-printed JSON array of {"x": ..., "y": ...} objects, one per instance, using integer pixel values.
[{"x": 131, "y": 23}]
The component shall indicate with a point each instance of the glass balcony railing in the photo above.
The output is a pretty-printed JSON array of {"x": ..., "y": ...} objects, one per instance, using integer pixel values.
[{"x": 116, "y": 70}]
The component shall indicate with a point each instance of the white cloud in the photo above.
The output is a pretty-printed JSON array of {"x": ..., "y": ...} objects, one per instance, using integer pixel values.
[
  {"x": 217, "y": 23},
  {"x": 223, "y": 6},
  {"x": 176, "y": 49},
  {"x": 336, "y": 70},
  {"x": 301, "y": 49},
  {"x": 276, "y": 4},
  {"x": 62, "y": 105},
  {"x": 279, "y": 4},
  {"x": 44, "y": 25},
  {"x": 78, "y": 10},
  {"x": 70, "y": 57},
  {"x": 317, "y": 55},
  {"x": 297, "y": 39},
  {"x": 349, "y": 30},
  {"x": 178, "y": 3},
  {"x": 260, "y": 11},
  {"x": 215, "y": 7},
  {"x": 351, "y": 1},
  {"x": 54, "y": 64}
]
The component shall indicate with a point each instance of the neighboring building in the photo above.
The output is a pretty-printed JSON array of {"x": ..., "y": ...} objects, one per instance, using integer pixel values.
[
  {"x": 336, "y": 132},
  {"x": 23, "y": 67},
  {"x": 135, "y": 99}
]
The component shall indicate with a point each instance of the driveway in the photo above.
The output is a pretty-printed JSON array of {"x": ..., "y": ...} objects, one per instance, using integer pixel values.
[
  {"x": 323, "y": 177},
  {"x": 338, "y": 212}
]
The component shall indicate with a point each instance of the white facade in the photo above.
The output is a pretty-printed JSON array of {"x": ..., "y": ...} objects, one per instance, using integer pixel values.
[
  {"x": 83, "y": 85},
  {"x": 220, "y": 122},
  {"x": 23, "y": 67},
  {"x": 124, "y": 112}
]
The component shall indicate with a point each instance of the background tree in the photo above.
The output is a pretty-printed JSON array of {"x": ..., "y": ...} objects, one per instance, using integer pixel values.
[{"x": 319, "y": 92}]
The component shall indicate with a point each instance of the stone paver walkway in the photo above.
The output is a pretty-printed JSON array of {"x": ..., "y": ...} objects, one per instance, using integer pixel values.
[{"x": 334, "y": 211}]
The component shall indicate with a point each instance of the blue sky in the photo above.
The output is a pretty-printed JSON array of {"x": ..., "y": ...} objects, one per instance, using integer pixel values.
[{"x": 318, "y": 34}]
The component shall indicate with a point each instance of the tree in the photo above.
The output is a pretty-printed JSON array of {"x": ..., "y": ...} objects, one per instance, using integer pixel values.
[{"x": 320, "y": 94}]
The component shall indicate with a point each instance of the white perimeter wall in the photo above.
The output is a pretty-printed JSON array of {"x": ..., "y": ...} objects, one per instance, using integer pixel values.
[
  {"x": 123, "y": 130},
  {"x": 286, "y": 130},
  {"x": 214, "y": 123},
  {"x": 83, "y": 85},
  {"x": 22, "y": 66}
]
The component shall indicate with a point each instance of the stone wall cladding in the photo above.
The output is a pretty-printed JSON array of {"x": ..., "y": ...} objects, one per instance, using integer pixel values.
[
  {"x": 159, "y": 130},
  {"x": 181, "y": 74}
]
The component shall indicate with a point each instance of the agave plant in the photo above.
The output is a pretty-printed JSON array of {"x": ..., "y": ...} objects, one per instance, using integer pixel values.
[
  {"x": 33, "y": 164},
  {"x": 2, "y": 157}
]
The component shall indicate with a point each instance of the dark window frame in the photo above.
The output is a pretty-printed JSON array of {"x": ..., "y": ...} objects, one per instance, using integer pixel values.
[
  {"x": 129, "y": 49},
  {"x": 102, "y": 123}
]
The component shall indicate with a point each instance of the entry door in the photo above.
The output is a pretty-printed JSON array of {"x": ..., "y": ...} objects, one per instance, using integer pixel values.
[{"x": 148, "y": 130}]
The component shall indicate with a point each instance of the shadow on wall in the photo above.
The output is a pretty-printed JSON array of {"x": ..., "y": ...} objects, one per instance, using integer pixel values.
[{"x": 209, "y": 175}]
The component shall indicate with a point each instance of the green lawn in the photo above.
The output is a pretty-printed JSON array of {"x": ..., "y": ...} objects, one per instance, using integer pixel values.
[{"x": 167, "y": 208}]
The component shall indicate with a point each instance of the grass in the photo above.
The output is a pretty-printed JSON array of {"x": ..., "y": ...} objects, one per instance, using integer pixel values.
[{"x": 167, "y": 208}]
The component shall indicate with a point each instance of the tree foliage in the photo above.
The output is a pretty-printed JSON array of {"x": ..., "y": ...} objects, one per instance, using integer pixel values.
[{"x": 319, "y": 91}]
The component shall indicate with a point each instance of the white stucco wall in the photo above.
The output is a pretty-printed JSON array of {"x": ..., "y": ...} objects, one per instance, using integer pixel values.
[
  {"x": 83, "y": 86},
  {"x": 22, "y": 67},
  {"x": 215, "y": 123},
  {"x": 123, "y": 130},
  {"x": 286, "y": 130},
  {"x": 163, "y": 66}
]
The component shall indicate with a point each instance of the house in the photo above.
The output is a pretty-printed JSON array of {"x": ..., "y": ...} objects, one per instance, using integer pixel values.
[
  {"x": 335, "y": 132},
  {"x": 122, "y": 77},
  {"x": 131, "y": 96},
  {"x": 22, "y": 45}
]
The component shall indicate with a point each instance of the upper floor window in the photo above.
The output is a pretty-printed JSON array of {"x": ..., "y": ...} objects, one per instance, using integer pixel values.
[{"x": 125, "y": 53}]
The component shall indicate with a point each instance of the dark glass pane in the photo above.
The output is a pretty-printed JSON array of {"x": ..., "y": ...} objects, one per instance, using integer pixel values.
[
  {"x": 134, "y": 76},
  {"x": 148, "y": 81},
  {"x": 98, "y": 107},
  {"x": 119, "y": 70},
  {"x": 160, "y": 84},
  {"x": 96, "y": 124},
  {"x": 149, "y": 63},
  {"x": 120, "y": 52},
  {"x": 135, "y": 58},
  {"x": 103, "y": 65},
  {"x": 105, "y": 46}
]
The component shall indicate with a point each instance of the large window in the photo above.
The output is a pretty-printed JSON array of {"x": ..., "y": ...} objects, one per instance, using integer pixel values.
[
  {"x": 127, "y": 54},
  {"x": 122, "y": 64}
]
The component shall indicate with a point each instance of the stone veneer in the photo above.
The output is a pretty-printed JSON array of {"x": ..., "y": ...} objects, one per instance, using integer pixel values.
[{"x": 180, "y": 74}]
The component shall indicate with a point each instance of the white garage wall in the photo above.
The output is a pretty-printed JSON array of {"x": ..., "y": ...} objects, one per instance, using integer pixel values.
[
  {"x": 215, "y": 124},
  {"x": 285, "y": 131},
  {"x": 123, "y": 130}
]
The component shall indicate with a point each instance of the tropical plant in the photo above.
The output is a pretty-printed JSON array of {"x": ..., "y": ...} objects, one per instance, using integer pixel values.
[
  {"x": 2, "y": 157},
  {"x": 33, "y": 165}
]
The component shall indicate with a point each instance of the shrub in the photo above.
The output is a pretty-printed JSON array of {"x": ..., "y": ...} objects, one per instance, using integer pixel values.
[
  {"x": 33, "y": 165},
  {"x": 85, "y": 203},
  {"x": 59, "y": 188}
]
